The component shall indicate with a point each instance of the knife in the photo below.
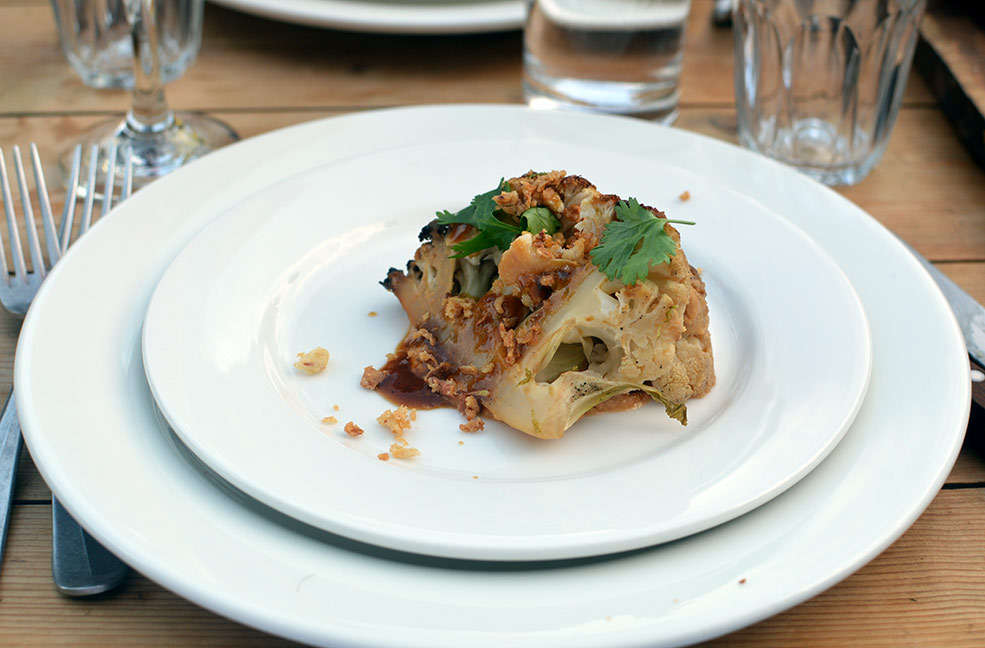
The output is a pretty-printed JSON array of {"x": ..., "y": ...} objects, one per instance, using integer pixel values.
[
  {"x": 10, "y": 452},
  {"x": 971, "y": 319}
]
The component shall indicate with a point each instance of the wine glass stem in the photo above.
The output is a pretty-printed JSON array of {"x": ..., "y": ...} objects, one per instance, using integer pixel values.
[{"x": 149, "y": 111}]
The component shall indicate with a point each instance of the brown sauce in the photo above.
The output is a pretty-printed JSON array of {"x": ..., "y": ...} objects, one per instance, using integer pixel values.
[
  {"x": 620, "y": 403},
  {"x": 402, "y": 387}
]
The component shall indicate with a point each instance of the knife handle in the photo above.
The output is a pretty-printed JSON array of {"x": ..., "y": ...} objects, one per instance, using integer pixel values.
[{"x": 10, "y": 452}]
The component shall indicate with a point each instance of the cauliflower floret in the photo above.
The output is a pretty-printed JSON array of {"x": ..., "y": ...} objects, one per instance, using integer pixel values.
[{"x": 554, "y": 336}]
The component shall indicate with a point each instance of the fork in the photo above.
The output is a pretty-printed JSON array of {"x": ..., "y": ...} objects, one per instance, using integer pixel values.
[{"x": 80, "y": 566}]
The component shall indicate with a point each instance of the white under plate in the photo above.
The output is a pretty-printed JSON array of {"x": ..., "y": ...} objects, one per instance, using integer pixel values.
[
  {"x": 89, "y": 420},
  {"x": 392, "y": 16},
  {"x": 297, "y": 265}
]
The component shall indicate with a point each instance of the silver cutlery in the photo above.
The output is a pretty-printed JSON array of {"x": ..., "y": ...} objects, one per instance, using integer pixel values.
[{"x": 80, "y": 566}]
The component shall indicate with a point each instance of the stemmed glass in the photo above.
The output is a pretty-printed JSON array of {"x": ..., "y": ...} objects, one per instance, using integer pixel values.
[{"x": 161, "y": 38}]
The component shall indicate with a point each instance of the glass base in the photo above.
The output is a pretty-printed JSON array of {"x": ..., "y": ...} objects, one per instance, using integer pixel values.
[
  {"x": 155, "y": 154},
  {"x": 816, "y": 152},
  {"x": 627, "y": 99}
]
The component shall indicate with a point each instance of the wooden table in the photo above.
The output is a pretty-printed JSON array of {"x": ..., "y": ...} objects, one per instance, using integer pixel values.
[{"x": 928, "y": 589}]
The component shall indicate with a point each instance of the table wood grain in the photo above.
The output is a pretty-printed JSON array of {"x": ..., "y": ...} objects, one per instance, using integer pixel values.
[{"x": 927, "y": 589}]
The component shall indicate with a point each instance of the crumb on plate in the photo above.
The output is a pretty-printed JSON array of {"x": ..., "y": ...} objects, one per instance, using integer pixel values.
[
  {"x": 475, "y": 425},
  {"x": 312, "y": 362},
  {"x": 383, "y": 456},
  {"x": 352, "y": 429},
  {"x": 330, "y": 420},
  {"x": 372, "y": 377},
  {"x": 397, "y": 421},
  {"x": 685, "y": 196},
  {"x": 403, "y": 451}
]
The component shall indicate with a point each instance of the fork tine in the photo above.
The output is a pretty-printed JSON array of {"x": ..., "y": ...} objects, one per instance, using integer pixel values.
[
  {"x": 16, "y": 253},
  {"x": 90, "y": 190},
  {"x": 30, "y": 225},
  {"x": 47, "y": 221},
  {"x": 127, "y": 187},
  {"x": 3, "y": 255},
  {"x": 110, "y": 179},
  {"x": 68, "y": 213}
]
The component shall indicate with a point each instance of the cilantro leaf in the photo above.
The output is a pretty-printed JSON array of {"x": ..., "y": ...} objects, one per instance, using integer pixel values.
[
  {"x": 481, "y": 206},
  {"x": 539, "y": 219},
  {"x": 492, "y": 233},
  {"x": 482, "y": 215},
  {"x": 633, "y": 242}
]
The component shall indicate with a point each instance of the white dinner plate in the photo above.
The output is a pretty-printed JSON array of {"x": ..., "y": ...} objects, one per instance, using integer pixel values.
[
  {"x": 298, "y": 264},
  {"x": 89, "y": 420},
  {"x": 392, "y": 16}
]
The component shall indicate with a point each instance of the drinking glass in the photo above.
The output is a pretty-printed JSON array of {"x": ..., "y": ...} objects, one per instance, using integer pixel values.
[
  {"x": 161, "y": 39},
  {"x": 614, "y": 56},
  {"x": 97, "y": 41},
  {"x": 818, "y": 83}
]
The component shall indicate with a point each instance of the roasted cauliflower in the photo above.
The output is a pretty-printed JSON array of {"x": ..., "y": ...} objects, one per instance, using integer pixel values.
[{"x": 524, "y": 325}]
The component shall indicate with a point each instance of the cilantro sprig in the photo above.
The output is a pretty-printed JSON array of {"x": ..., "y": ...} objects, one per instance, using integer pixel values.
[
  {"x": 632, "y": 242},
  {"x": 492, "y": 231}
]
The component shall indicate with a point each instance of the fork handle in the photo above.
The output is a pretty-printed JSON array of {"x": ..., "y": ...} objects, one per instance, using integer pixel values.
[{"x": 10, "y": 452}]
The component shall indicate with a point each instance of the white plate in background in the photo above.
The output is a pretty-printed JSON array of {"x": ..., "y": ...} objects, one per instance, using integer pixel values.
[{"x": 392, "y": 16}]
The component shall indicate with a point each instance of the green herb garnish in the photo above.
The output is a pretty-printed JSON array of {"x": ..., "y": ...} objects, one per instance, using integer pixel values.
[
  {"x": 634, "y": 242},
  {"x": 539, "y": 219},
  {"x": 487, "y": 218}
]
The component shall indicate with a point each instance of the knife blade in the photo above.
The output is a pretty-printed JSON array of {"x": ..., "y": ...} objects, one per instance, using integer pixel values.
[{"x": 971, "y": 318}]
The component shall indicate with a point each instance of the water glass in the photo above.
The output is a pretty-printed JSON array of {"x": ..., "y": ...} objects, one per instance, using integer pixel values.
[
  {"x": 818, "y": 83},
  {"x": 95, "y": 36},
  {"x": 157, "y": 139},
  {"x": 613, "y": 56}
]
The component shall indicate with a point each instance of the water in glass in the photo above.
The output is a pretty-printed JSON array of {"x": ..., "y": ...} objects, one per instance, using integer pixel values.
[{"x": 616, "y": 56}]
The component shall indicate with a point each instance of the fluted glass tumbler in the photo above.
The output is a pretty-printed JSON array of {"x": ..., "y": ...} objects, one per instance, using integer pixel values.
[
  {"x": 818, "y": 83},
  {"x": 97, "y": 40}
]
